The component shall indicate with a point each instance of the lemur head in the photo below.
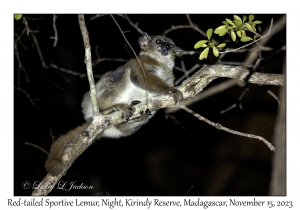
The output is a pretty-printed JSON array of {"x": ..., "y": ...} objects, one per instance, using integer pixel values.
[{"x": 160, "y": 44}]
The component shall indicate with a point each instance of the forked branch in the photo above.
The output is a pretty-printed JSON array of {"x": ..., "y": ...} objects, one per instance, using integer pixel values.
[{"x": 190, "y": 87}]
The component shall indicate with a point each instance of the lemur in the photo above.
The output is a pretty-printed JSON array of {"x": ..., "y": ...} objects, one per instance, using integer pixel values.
[{"x": 121, "y": 89}]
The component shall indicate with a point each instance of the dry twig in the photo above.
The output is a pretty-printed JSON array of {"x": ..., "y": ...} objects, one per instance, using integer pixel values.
[{"x": 221, "y": 127}]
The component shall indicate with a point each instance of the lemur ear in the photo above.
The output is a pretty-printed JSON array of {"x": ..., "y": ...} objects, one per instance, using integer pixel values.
[{"x": 144, "y": 41}]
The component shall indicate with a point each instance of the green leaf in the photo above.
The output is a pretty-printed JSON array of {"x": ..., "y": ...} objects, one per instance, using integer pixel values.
[
  {"x": 239, "y": 28},
  {"x": 239, "y": 33},
  {"x": 17, "y": 16},
  {"x": 251, "y": 17},
  {"x": 205, "y": 45},
  {"x": 200, "y": 44},
  {"x": 204, "y": 54},
  {"x": 217, "y": 30},
  {"x": 246, "y": 39},
  {"x": 253, "y": 27},
  {"x": 211, "y": 44},
  {"x": 236, "y": 17},
  {"x": 243, "y": 33},
  {"x": 233, "y": 36},
  {"x": 209, "y": 33},
  {"x": 237, "y": 22},
  {"x": 244, "y": 18},
  {"x": 229, "y": 21},
  {"x": 229, "y": 28},
  {"x": 225, "y": 23},
  {"x": 257, "y": 22},
  {"x": 221, "y": 45},
  {"x": 248, "y": 26},
  {"x": 215, "y": 51},
  {"x": 256, "y": 36},
  {"x": 223, "y": 32}
]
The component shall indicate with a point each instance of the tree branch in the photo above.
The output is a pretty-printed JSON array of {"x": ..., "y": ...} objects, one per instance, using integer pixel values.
[
  {"x": 88, "y": 63},
  {"x": 220, "y": 127},
  {"x": 190, "y": 87}
]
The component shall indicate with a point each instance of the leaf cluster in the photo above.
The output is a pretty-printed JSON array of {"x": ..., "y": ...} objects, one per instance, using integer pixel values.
[
  {"x": 208, "y": 44},
  {"x": 235, "y": 27},
  {"x": 238, "y": 27}
]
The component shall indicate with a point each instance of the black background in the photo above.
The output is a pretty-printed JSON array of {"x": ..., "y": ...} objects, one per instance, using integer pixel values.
[{"x": 163, "y": 157}]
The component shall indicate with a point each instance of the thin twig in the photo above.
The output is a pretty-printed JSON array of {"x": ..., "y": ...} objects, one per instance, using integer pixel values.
[
  {"x": 42, "y": 58},
  {"x": 51, "y": 134},
  {"x": 145, "y": 81},
  {"x": 246, "y": 29},
  {"x": 128, "y": 43},
  {"x": 36, "y": 146},
  {"x": 99, "y": 60},
  {"x": 274, "y": 96},
  {"x": 205, "y": 94},
  {"x": 192, "y": 25},
  {"x": 238, "y": 103},
  {"x": 34, "y": 19},
  {"x": 20, "y": 66},
  {"x": 175, "y": 28},
  {"x": 18, "y": 39},
  {"x": 190, "y": 52},
  {"x": 81, "y": 75},
  {"x": 195, "y": 26},
  {"x": 55, "y": 37},
  {"x": 96, "y": 16},
  {"x": 277, "y": 26},
  {"x": 27, "y": 95},
  {"x": 220, "y": 127},
  {"x": 186, "y": 73},
  {"x": 45, "y": 66},
  {"x": 228, "y": 108},
  {"x": 189, "y": 190},
  {"x": 134, "y": 25},
  {"x": 167, "y": 116}
]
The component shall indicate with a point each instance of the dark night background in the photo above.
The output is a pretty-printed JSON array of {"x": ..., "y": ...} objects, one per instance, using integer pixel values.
[{"x": 166, "y": 156}]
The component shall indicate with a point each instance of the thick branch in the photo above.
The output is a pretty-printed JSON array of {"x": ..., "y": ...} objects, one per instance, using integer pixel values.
[
  {"x": 189, "y": 88},
  {"x": 207, "y": 74}
]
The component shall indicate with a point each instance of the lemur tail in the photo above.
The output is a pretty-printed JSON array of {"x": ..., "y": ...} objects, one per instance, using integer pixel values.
[{"x": 54, "y": 164}]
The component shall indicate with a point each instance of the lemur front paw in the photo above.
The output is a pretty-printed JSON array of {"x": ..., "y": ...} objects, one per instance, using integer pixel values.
[
  {"x": 176, "y": 94},
  {"x": 126, "y": 111}
]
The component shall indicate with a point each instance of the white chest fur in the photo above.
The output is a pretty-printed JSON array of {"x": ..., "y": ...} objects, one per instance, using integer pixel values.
[{"x": 132, "y": 93}]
